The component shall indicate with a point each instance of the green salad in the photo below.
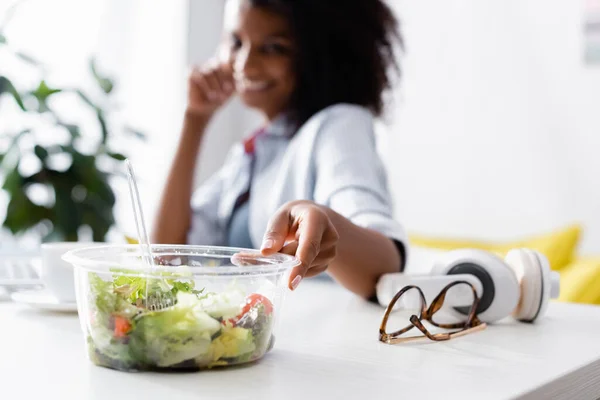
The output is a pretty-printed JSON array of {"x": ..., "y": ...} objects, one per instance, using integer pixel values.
[{"x": 192, "y": 329}]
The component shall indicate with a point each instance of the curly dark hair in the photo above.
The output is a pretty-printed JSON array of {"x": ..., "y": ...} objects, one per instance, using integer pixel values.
[{"x": 346, "y": 51}]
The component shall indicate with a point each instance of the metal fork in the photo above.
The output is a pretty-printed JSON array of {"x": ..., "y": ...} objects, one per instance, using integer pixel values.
[{"x": 159, "y": 302}]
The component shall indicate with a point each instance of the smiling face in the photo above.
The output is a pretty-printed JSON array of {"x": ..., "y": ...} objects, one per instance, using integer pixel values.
[{"x": 261, "y": 53}]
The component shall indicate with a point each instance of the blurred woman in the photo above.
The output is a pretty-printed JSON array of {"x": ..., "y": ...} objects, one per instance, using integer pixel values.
[{"x": 310, "y": 182}]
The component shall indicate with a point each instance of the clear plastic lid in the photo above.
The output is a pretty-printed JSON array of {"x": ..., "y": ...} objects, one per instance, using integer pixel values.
[{"x": 198, "y": 260}]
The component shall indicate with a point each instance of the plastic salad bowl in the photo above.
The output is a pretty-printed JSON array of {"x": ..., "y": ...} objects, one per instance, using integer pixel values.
[{"x": 191, "y": 308}]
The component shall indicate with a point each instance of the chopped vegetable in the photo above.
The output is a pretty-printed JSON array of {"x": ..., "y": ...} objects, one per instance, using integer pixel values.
[
  {"x": 255, "y": 299},
  {"x": 198, "y": 330},
  {"x": 122, "y": 326}
]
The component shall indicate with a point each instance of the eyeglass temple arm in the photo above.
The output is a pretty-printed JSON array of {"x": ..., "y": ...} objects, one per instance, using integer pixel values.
[{"x": 461, "y": 295}]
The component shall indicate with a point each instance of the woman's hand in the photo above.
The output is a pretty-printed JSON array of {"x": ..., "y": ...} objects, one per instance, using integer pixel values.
[
  {"x": 209, "y": 87},
  {"x": 302, "y": 228}
]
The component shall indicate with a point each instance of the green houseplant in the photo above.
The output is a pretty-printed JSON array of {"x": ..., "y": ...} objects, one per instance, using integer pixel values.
[{"x": 78, "y": 194}]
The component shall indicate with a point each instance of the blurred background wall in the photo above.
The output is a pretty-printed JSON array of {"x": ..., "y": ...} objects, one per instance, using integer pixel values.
[
  {"x": 497, "y": 129},
  {"x": 494, "y": 132}
]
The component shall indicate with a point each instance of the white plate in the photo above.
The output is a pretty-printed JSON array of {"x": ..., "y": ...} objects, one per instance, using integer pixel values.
[{"x": 43, "y": 300}]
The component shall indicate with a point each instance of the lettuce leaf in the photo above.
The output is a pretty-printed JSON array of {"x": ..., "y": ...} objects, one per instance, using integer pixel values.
[
  {"x": 173, "y": 335},
  {"x": 134, "y": 287},
  {"x": 113, "y": 354},
  {"x": 103, "y": 296},
  {"x": 224, "y": 305},
  {"x": 232, "y": 343}
]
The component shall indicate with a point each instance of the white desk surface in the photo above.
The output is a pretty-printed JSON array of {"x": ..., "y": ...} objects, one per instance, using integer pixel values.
[{"x": 326, "y": 348}]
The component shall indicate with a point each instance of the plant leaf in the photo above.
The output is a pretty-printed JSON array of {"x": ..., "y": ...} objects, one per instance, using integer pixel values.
[
  {"x": 8, "y": 87},
  {"x": 14, "y": 144},
  {"x": 21, "y": 213},
  {"x": 2, "y": 39},
  {"x": 83, "y": 171},
  {"x": 85, "y": 98},
  {"x": 117, "y": 156},
  {"x": 68, "y": 214},
  {"x": 42, "y": 93},
  {"x": 102, "y": 122},
  {"x": 129, "y": 130},
  {"x": 106, "y": 84},
  {"x": 54, "y": 236},
  {"x": 40, "y": 153},
  {"x": 43, "y": 90},
  {"x": 98, "y": 217},
  {"x": 74, "y": 130},
  {"x": 28, "y": 59},
  {"x": 13, "y": 181}
]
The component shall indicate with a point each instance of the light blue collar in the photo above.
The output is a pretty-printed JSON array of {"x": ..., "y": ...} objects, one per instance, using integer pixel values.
[{"x": 280, "y": 126}]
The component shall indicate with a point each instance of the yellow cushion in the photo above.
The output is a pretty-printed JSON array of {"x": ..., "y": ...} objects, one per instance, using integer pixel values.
[
  {"x": 580, "y": 281},
  {"x": 558, "y": 246}
]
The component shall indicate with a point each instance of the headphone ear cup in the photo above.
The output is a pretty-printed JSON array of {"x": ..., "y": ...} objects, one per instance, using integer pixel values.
[
  {"x": 533, "y": 273},
  {"x": 501, "y": 287}
]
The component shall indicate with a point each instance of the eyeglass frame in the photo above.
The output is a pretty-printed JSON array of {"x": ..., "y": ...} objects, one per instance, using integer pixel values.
[{"x": 472, "y": 324}]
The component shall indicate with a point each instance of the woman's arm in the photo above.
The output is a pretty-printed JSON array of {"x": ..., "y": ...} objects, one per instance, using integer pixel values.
[
  {"x": 174, "y": 215},
  {"x": 323, "y": 239},
  {"x": 363, "y": 255},
  {"x": 208, "y": 89}
]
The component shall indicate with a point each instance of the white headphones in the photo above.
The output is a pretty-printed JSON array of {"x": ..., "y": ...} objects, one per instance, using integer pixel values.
[{"x": 520, "y": 285}]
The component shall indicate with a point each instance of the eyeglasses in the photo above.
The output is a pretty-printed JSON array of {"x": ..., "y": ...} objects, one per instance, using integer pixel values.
[{"x": 472, "y": 323}]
